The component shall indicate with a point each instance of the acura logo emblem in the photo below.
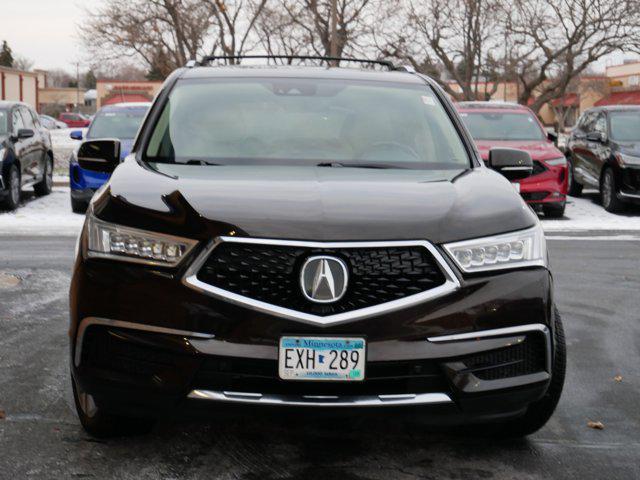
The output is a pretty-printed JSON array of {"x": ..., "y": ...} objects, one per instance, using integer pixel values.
[{"x": 324, "y": 279}]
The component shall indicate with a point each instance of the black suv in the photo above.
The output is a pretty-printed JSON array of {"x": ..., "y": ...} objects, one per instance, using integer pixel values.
[
  {"x": 604, "y": 152},
  {"x": 311, "y": 238},
  {"x": 26, "y": 158}
]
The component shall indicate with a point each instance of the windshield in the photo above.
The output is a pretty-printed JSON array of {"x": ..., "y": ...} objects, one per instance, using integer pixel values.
[
  {"x": 625, "y": 126},
  {"x": 4, "y": 123},
  {"x": 502, "y": 126},
  {"x": 121, "y": 124},
  {"x": 305, "y": 122}
]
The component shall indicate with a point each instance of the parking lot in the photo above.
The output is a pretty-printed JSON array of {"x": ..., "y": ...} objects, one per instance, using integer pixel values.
[
  {"x": 41, "y": 436},
  {"x": 595, "y": 266}
]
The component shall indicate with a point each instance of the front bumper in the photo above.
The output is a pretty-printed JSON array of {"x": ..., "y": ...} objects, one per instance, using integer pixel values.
[
  {"x": 547, "y": 186},
  {"x": 144, "y": 343}
]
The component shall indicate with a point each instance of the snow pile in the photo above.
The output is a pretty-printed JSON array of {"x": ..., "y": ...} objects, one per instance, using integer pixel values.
[
  {"x": 50, "y": 215},
  {"x": 586, "y": 214},
  {"x": 62, "y": 145}
]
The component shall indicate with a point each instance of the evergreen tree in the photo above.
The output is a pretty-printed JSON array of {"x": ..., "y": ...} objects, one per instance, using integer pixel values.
[
  {"x": 6, "y": 56},
  {"x": 89, "y": 80}
]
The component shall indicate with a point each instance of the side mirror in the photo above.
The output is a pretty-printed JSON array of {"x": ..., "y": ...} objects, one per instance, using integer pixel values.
[
  {"x": 76, "y": 135},
  {"x": 25, "y": 133},
  {"x": 596, "y": 137},
  {"x": 513, "y": 164},
  {"x": 553, "y": 136},
  {"x": 99, "y": 155}
]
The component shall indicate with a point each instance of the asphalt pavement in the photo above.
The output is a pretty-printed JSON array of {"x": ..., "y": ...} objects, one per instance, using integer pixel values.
[{"x": 597, "y": 285}]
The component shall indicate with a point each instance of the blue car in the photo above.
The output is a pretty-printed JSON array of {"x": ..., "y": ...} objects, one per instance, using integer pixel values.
[{"x": 120, "y": 121}]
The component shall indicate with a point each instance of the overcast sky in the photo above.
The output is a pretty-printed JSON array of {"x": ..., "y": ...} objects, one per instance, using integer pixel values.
[{"x": 45, "y": 31}]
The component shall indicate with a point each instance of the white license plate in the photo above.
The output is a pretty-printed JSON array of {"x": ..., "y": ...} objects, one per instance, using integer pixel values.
[
  {"x": 516, "y": 185},
  {"x": 322, "y": 358}
]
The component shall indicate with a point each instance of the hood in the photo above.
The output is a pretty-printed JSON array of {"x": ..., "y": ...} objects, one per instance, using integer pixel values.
[
  {"x": 307, "y": 203},
  {"x": 539, "y": 150},
  {"x": 628, "y": 148}
]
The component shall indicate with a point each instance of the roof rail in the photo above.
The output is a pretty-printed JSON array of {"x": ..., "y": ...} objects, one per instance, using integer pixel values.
[{"x": 211, "y": 58}]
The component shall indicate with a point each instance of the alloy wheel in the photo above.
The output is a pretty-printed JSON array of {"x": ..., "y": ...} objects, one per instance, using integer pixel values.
[
  {"x": 607, "y": 188},
  {"x": 14, "y": 185}
]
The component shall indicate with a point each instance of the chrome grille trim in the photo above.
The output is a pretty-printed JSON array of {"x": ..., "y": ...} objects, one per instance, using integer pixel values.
[
  {"x": 450, "y": 285},
  {"x": 322, "y": 400}
]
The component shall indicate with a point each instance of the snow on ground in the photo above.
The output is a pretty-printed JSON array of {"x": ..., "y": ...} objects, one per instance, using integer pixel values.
[
  {"x": 50, "y": 215},
  {"x": 62, "y": 145},
  {"x": 586, "y": 214}
]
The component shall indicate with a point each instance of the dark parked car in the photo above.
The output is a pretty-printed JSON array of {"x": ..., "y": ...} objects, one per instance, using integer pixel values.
[
  {"x": 604, "y": 153},
  {"x": 74, "y": 120},
  {"x": 501, "y": 124},
  {"x": 306, "y": 237},
  {"x": 26, "y": 159}
]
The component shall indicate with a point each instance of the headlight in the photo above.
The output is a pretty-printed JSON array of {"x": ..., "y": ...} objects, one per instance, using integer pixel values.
[
  {"x": 107, "y": 240},
  {"x": 511, "y": 250},
  {"x": 624, "y": 159},
  {"x": 557, "y": 162}
]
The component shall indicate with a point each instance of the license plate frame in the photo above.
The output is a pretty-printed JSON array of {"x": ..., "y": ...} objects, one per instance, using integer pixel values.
[{"x": 321, "y": 346}]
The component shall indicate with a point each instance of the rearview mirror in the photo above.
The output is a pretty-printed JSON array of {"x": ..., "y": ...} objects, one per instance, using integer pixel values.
[
  {"x": 513, "y": 164},
  {"x": 25, "y": 133},
  {"x": 76, "y": 135},
  {"x": 99, "y": 155}
]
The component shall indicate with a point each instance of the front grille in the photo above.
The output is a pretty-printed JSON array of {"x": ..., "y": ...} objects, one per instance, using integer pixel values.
[
  {"x": 521, "y": 359},
  {"x": 271, "y": 274},
  {"x": 631, "y": 179},
  {"x": 534, "y": 196},
  {"x": 382, "y": 378}
]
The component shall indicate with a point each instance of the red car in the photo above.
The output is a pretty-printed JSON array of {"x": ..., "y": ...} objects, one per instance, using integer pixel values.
[
  {"x": 74, "y": 120},
  {"x": 516, "y": 126}
]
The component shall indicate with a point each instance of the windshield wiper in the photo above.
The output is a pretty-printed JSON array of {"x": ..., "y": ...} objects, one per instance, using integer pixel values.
[
  {"x": 200, "y": 162},
  {"x": 355, "y": 165}
]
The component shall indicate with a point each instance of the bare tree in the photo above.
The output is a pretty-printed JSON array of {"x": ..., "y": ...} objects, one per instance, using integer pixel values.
[
  {"x": 165, "y": 34},
  {"x": 234, "y": 24},
  {"x": 558, "y": 40},
  {"x": 305, "y": 26},
  {"x": 22, "y": 63},
  {"x": 455, "y": 41},
  {"x": 162, "y": 34}
]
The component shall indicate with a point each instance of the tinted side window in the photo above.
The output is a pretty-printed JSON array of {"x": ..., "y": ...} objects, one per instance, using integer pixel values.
[
  {"x": 600, "y": 124},
  {"x": 34, "y": 118},
  {"x": 18, "y": 123},
  {"x": 26, "y": 118}
]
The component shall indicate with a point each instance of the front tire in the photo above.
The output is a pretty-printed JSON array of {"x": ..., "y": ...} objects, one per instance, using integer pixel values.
[
  {"x": 540, "y": 411},
  {"x": 554, "y": 210},
  {"x": 79, "y": 206},
  {"x": 12, "y": 199},
  {"x": 46, "y": 185},
  {"x": 100, "y": 424},
  {"x": 574, "y": 188},
  {"x": 609, "y": 192}
]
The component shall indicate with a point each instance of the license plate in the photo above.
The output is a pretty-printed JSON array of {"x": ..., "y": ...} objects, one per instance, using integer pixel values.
[
  {"x": 322, "y": 358},
  {"x": 516, "y": 185}
]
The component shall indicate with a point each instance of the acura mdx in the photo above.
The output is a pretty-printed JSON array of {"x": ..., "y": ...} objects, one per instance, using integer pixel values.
[{"x": 311, "y": 237}]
